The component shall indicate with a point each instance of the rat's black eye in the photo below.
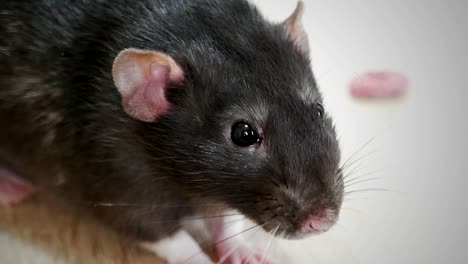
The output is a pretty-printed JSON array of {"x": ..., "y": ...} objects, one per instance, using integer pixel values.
[
  {"x": 320, "y": 110},
  {"x": 243, "y": 135}
]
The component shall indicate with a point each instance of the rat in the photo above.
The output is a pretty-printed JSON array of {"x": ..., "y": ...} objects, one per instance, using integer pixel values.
[{"x": 155, "y": 113}]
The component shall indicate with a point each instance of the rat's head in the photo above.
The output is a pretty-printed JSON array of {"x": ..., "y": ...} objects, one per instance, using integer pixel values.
[{"x": 250, "y": 132}]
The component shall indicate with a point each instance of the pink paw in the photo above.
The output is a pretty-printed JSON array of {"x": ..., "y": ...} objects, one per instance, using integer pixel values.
[
  {"x": 13, "y": 189},
  {"x": 243, "y": 254}
]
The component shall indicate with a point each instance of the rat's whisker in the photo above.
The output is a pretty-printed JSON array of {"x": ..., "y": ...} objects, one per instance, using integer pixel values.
[
  {"x": 228, "y": 223},
  {"x": 360, "y": 176},
  {"x": 340, "y": 226},
  {"x": 245, "y": 230},
  {"x": 352, "y": 209},
  {"x": 229, "y": 237},
  {"x": 367, "y": 190},
  {"x": 282, "y": 236},
  {"x": 349, "y": 181},
  {"x": 357, "y": 152},
  {"x": 232, "y": 250},
  {"x": 276, "y": 244},
  {"x": 355, "y": 165},
  {"x": 347, "y": 185},
  {"x": 340, "y": 177},
  {"x": 267, "y": 247},
  {"x": 348, "y": 171},
  {"x": 350, "y": 165},
  {"x": 355, "y": 198}
]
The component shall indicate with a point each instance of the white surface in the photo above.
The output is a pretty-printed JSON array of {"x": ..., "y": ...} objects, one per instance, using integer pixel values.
[
  {"x": 14, "y": 251},
  {"x": 419, "y": 150}
]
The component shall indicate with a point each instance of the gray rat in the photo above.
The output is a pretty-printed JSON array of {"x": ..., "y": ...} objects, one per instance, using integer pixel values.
[{"x": 170, "y": 110}]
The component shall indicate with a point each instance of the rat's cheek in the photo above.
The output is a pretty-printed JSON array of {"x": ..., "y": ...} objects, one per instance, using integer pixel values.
[{"x": 13, "y": 189}]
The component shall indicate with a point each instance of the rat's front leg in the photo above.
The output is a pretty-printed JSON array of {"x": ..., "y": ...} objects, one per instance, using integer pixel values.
[
  {"x": 179, "y": 248},
  {"x": 231, "y": 245}
]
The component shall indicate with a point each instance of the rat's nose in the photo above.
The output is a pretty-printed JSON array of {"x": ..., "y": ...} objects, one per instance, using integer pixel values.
[
  {"x": 316, "y": 225},
  {"x": 319, "y": 224}
]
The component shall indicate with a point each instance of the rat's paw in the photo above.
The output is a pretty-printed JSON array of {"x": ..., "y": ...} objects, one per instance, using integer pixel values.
[
  {"x": 254, "y": 256},
  {"x": 13, "y": 188},
  {"x": 242, "y": 254}
]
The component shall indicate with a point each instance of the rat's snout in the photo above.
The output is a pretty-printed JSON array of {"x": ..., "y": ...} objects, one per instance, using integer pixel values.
[
  {"x": 298, "y": 216},
  {"x": 303, "y": 209},
  {"x": 300, "y": 177}
]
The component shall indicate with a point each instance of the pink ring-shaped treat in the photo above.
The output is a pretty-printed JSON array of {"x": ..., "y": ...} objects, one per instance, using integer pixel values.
[{"x": 379, "y": 84}]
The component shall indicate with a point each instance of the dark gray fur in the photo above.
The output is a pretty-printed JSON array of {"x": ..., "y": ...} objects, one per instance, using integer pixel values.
[{"x": 59, "y": 107}]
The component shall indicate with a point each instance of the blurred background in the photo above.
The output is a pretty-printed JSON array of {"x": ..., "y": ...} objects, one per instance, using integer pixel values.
[
  {"x": 416, "y": 146},
  {"x": 409, "y": 155}
]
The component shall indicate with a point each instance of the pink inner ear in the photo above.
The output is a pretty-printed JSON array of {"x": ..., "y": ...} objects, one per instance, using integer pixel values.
[
  {"x": 149, "y": 102},
  {"x": 155, "y": 90},
  {"x": 13, "y": 189}
]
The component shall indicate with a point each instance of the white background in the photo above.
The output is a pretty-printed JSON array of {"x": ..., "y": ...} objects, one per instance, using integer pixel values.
[{"x": 419, "y": 151}]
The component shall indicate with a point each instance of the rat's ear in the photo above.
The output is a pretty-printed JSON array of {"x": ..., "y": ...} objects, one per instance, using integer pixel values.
[
  {"x": 295, "y": 30},
  {"x": 143, "y": 78}
]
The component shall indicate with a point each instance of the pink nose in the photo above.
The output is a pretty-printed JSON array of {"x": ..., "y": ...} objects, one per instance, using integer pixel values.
[{"x": 319, "y": 224}]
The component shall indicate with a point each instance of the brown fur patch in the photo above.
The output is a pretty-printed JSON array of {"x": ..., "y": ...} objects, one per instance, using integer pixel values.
[
  {"x": 68, "y": 234},
  {"x": 64, "y": 230}
]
